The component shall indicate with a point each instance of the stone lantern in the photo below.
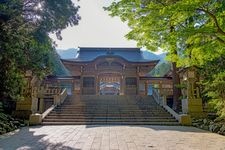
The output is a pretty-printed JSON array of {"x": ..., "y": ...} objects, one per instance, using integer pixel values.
[{"x": 193, "y": 103}]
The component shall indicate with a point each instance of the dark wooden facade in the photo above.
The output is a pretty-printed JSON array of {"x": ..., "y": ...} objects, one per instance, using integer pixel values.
[{"x": 122, "y": 67}]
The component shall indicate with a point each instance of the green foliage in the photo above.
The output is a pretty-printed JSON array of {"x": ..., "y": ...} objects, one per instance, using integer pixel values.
[
  {"x": 7, "y": 123},
  {"x": 182, "y": 86},
  {"x": 214, "y": 84},
  {"x": 192, "y": 32},
  {"x": 11, "y": 77},
  {"x": 24, "y": 42}
]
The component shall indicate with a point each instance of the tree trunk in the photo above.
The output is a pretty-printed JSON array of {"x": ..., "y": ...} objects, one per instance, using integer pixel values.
[{"x": 176, "y": 91}]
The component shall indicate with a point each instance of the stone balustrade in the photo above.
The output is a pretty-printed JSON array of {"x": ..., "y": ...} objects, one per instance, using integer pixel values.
[
  {"x": 58, "y": 95},
  {"x": 59, "y": 98},
  {"x": 183, "y": 119}
]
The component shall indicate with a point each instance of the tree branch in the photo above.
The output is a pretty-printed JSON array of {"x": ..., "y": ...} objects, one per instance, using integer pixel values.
[
  {"x": 219, "y": 30},
  {"x": 220, "y": 39}
]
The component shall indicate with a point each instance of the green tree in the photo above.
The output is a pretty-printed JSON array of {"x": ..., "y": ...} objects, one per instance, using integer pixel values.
[
  {"x": 213, "y": 84},
  {"x": 25, "y": 44},
  {"x": 152, "y": 28},
  {"x": 192, "y": 32}
]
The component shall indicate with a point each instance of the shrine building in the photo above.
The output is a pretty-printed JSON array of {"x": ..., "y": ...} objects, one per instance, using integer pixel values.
[{"x": 110, "y": 71}]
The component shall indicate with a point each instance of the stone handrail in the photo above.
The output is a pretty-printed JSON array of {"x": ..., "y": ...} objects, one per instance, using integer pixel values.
[
  {"x": 156, "y": 96},
  {"x": 58, "y": 100},
  {"x": 44, "y": 114},
  {"x": 183, "y": 119}
]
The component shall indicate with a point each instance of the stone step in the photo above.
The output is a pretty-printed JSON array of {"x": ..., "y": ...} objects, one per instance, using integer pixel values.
[
  {"x": 105, "y": 110},
  {"x": 100, "y": 117},
  {"x": 110, "y": 102},
  {"x": 117, "y": 115},
  {"x": 119, "y": 111},
  {"x": 106, "y": 117},
  {"x": 111, "y": 123},
  {"x": 108, "y": 113},
  {"x": 110, "y": 108},
  {"x": 112, "y": 105},
  {"x": 109, "y": 120}
]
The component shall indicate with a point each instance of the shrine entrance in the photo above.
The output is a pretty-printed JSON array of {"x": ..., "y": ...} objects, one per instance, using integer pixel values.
[
  {"x": 109, "y": 84},
  {"x": 110, "y": 71}
]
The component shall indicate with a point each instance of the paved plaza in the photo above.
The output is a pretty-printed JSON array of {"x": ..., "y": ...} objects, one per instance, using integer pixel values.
[{"x": 79, "y": 137}]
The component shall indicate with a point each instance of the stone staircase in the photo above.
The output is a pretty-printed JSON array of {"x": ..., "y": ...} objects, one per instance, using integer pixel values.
[{"x": 109, "y": 110}]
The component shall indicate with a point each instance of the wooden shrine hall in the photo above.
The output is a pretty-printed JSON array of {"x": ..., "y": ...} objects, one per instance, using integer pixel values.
[{"x": 112, "y": 71}]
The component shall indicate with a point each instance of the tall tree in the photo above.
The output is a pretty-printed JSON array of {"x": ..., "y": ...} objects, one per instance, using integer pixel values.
[
  {"x": 24, "y": 42},
  {"x": 191, "y": 31},
  {"x": 151, "y": 27}
]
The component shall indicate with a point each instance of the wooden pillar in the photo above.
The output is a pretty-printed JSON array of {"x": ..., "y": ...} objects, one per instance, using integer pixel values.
[
  {"x": 81, "y": 80},
  {"x": 122, "y": 85},
  {"x": 97, "y": 85},
  {"x": 81, "y": 85},
  {"x": 146, "y": 87},
  {"x": 138, "y": 80},
  {"x": 73, "y": 91},
  {"x": 137, "y": 87}
]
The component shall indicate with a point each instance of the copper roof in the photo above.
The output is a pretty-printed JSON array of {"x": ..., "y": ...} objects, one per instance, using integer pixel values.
[{"x": 87, "y": 54}]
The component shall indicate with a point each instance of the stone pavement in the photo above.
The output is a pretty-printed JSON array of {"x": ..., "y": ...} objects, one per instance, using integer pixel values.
[{"x": 79, "y": 137}]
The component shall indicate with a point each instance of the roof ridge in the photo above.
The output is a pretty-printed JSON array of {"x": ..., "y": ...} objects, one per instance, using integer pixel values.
[{"x": 109, "y": 48}]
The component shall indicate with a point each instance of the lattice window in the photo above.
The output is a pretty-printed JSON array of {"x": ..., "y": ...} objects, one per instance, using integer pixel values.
[
  {"x": 131, "y": 82},
  {"x": 88, "y": 82}
]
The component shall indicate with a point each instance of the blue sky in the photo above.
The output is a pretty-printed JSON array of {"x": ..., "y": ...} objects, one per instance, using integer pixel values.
[{"x": 96, "y": 28}]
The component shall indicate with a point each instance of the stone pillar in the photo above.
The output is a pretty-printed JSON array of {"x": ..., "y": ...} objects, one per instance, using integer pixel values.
[
  {"x": 193, "y": 103},
  {"x": 164, "y": 100},
  {"x": 35, "y": 119},
  {"x": 34, "y": 105},
  {"x": 41, "y": 106}
]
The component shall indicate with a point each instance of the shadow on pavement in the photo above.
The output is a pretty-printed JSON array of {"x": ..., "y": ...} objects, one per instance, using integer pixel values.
[{"x": 27, "y": 139}]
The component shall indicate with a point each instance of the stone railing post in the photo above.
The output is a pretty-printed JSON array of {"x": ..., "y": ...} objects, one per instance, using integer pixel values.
[
  {"x": 183, "y": 119},
  {"x": 56, "y": 100},
  {"x": 58, "y": 97}
]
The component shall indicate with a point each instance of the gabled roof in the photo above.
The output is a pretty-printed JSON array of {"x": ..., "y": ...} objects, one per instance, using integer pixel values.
[{"x": 88, "y": 54}]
